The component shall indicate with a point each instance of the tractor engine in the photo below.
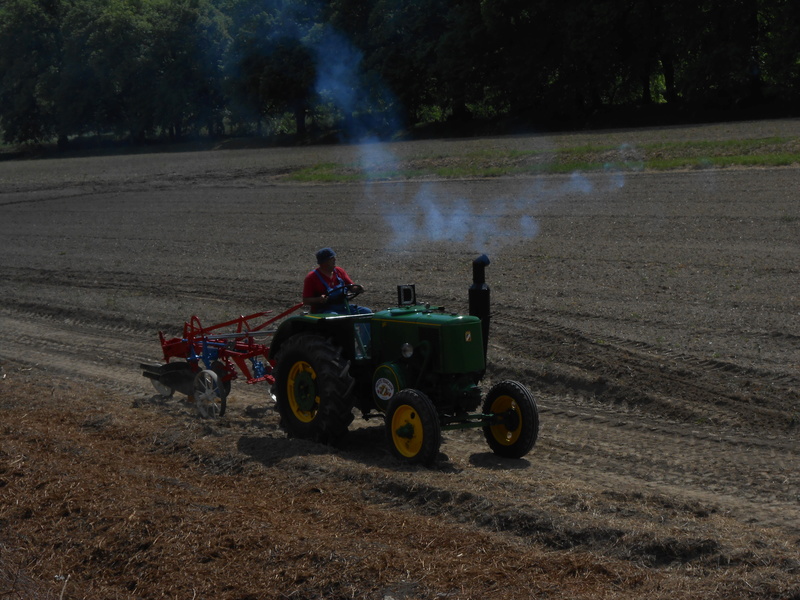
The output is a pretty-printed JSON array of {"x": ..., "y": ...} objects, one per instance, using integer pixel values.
[{"x": 428, "y": 348}]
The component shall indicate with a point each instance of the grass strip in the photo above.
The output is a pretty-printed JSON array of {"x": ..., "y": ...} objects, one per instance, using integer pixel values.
[{"x": 491, "y": 163}]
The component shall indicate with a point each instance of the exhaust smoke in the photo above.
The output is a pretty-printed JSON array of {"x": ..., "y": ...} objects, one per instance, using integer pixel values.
[{"x": 430, "y": 217}]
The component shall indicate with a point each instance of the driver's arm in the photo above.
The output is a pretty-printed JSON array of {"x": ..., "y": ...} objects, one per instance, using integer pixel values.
[{"x": 315, "y": 300}]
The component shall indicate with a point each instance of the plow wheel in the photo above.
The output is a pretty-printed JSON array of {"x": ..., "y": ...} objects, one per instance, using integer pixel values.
[
  {"x": 313, "y": 389},
  {"x": 209, "y": 394},
  {"x": 161, "y": 389},
  {"x": 513, "y": 430},
  {"x": 412, "y": 427}
]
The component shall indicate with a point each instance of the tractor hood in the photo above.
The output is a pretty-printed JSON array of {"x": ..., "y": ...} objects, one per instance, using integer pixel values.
[
  {"x": 422, "y": 315},
  {"x": 453, "y": 342}
]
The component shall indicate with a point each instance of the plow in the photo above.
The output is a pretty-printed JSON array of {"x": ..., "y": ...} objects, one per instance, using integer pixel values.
[{"x": 203, "y": 362}]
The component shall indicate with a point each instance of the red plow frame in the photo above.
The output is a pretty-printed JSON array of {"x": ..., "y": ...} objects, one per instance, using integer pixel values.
[{"x": 219, "y": 353}]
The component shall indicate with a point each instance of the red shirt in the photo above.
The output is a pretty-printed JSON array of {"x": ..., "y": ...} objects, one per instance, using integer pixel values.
[{"x": 313, "y": 286}]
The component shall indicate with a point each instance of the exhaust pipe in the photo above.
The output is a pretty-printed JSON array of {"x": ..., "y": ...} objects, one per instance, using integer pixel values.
[{"x": 479, "y": 293}]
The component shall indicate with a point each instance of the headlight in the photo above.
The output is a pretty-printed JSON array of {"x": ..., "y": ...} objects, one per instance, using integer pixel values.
[{"x": 407, "y": 350}]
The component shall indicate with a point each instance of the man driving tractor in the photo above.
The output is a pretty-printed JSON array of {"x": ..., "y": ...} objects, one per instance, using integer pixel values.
[{"x": 325, "y": 288}]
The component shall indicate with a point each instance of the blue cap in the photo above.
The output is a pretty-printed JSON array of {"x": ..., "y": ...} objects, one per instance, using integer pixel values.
[{"x": 325, "y": 255}]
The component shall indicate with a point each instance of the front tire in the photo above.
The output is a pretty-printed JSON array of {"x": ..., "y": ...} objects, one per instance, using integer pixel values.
[
  {"x": 412, "y": 427},
  {"x": 313, "y": 389},
  {"x": 514, "y": 429}
]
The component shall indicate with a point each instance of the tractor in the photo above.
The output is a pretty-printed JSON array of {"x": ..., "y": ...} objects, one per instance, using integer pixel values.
[{"x": 416, "y": 366}]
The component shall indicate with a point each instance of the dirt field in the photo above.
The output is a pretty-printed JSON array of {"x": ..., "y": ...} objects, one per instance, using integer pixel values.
[{"x": 655, "y": 316}]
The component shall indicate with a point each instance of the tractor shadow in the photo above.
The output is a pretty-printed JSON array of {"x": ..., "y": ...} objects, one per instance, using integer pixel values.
[
  {"x": 271, "y": 451},
  {"x": 366, "y": 445},
  {"x": 369, "y": 446},
  {"x": 493, "y": 462}
]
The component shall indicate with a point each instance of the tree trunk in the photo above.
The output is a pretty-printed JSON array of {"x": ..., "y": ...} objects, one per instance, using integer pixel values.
[
  {"x": 670, "y": 93},
  {"x": 300, "y": 120}
]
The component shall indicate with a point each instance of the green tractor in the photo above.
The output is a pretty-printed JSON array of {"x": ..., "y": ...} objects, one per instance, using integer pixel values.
[{"x": 415, "y": 366}]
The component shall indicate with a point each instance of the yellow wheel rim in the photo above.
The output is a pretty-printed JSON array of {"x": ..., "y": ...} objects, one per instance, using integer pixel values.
[
  {"x": 407, "y": 431},
  {"x": 501, "y": 433},
  {"x": 301, "y": 389}
]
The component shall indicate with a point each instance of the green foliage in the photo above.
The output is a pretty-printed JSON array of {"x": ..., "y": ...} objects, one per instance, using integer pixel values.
[
  {"x": 150, "y": 68},
  {"x": 135, "y": 67},
  {"x": 29, "y": 61},
  {"x": 271, "y": 66},
  {"x": 188, "y": 43}
]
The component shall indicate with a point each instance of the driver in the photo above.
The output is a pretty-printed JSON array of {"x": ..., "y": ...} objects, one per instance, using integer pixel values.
[{"x": 325, "y": 287}]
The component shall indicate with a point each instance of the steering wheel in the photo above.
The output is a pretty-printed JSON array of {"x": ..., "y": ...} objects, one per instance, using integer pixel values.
[
  {"x": 341, "y": 293},
  {"x": 357, "y": 290}
]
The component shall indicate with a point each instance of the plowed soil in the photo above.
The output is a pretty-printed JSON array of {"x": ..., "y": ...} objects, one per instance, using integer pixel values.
[{"x": 654, "y": 315}]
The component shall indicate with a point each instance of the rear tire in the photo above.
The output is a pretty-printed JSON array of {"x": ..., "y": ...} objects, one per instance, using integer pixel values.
[
  {"x": 313, "y": 389},
  {"x": 516, "y": 430},
  {"x": 412, "y": 427}
]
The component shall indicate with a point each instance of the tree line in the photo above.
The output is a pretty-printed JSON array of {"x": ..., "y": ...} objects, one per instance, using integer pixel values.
[{"x": 144, "y": 69}]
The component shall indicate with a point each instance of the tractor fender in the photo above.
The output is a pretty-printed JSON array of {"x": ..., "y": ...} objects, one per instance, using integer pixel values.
[
  {"x": 290, "y": 328},
  {"x": 339, "y": 328}
]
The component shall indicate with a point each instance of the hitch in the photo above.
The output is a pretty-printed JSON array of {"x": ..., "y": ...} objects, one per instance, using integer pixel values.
[{"x": 509, "y": 419}]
